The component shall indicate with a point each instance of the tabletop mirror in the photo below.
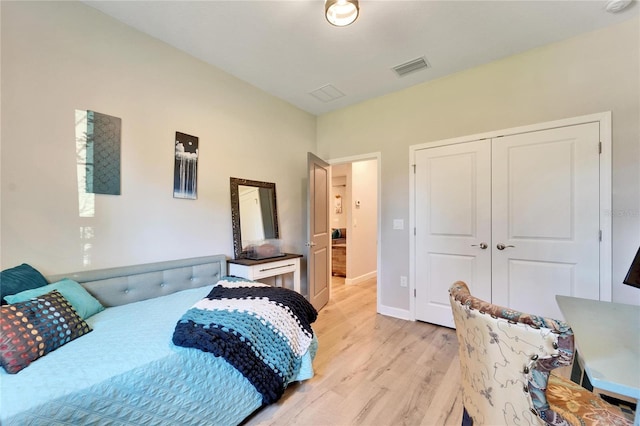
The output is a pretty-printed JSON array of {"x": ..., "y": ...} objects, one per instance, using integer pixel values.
[{"x": 254, "y": 214}]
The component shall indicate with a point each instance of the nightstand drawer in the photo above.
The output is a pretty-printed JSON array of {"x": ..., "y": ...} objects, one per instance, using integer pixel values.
[{"x": 257, "y": 269}]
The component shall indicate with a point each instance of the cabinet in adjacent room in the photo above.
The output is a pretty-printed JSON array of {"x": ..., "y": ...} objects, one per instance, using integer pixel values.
[{"x": 339, "y": 252}]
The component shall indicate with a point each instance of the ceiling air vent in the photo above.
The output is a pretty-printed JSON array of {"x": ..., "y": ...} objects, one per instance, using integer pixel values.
[
  {"x": 327, "y": 93},
  {"x": 411, "y": 66}
]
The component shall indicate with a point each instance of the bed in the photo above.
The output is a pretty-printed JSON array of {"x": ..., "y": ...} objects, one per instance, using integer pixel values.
[{"x": 128, "y": 370}]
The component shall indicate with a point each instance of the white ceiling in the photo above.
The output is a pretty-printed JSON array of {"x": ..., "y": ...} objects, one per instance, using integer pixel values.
[{"x": 288, "y": 49}]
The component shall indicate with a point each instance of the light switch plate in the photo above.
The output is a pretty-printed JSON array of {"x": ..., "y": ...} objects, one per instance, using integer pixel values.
[{"x": 398, "y": 224}]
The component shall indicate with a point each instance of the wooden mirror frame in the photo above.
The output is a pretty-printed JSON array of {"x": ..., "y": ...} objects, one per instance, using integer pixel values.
[{"x": 235, "y": 211}]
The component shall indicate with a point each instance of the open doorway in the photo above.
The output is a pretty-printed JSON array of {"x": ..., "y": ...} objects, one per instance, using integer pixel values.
[{"x": 354, "y": 219}]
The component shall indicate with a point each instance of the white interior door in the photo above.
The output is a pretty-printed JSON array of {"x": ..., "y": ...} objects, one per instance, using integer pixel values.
[
  {"x": 546, "y": 215},
  {"x": 532, "y": 197},
  {"x": 453, "y": 224}
]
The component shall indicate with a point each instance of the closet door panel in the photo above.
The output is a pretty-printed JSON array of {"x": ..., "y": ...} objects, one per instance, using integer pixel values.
[
  {"x": 453, "y": 211},
  {"x": 545, "y": 217}
]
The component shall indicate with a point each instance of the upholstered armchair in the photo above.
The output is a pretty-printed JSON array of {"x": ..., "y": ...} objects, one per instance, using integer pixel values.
[{"x": 506, "y": 358}]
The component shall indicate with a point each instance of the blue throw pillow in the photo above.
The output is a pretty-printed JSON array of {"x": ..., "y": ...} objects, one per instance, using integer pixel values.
[
  {"x": 20, "y": 278},
  {"x": 79, "y": 298}
]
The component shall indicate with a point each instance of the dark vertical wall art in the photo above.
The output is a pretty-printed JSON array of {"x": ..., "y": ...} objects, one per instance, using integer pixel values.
[
  {"x": 185, "y": 172},
  {"x": 103, "y": 154}
]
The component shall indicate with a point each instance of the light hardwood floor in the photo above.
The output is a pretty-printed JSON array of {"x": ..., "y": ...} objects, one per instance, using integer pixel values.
[{"x": 373, "y": 370}]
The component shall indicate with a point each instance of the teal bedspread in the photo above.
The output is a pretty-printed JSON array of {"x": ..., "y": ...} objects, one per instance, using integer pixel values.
[
  {"x": 127, "y": 371},
  {"x": 180, "y": 389}
]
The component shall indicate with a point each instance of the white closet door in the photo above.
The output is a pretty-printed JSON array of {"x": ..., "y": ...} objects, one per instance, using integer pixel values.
[
  {"x": 545, "y": 210},
  {"x": 453, "y": 218}
]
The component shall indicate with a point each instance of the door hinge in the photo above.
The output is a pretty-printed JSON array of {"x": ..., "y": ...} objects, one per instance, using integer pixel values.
[
  {"x": 600, "y": 235},
  {"x": 599, "y": 147},
  {"x": 414, "y": 232},
  {"x": 414, "y": 168},
  {"x": 414, "y": 293}
]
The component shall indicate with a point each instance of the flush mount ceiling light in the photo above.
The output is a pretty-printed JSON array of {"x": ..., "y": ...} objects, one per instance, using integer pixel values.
[
  {"x": 341, "y": 12},
  {"x": 615, "y": 6}
]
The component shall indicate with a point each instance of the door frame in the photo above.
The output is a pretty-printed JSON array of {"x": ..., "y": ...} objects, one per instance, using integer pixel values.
[
  {"x": 604, "y": 120},
  {"x": 363, "y": 157}
]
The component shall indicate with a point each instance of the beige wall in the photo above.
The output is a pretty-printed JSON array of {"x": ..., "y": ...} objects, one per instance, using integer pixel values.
[
  {"x": 362, "y": 246},
  {"x": 62, "y": 56},
  {"x": 595, "y": 72}
]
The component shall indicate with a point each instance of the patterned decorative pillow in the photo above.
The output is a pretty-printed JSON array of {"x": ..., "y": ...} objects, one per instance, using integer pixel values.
[{"x": 31, "y": 329}]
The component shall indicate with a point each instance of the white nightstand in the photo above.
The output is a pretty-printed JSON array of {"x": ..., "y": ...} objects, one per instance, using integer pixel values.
[{"x": 264, "y": 268}]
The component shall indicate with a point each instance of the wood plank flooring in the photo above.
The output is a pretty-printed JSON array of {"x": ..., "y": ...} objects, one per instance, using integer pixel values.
[{"x": 373, "y": 370}]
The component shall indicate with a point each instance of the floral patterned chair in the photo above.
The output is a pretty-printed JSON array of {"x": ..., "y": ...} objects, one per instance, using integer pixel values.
[{"x": 506, "y": 358}]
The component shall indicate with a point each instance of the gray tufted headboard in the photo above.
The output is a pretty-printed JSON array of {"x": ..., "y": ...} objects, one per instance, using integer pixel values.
[{"x": 128, "y": 284}]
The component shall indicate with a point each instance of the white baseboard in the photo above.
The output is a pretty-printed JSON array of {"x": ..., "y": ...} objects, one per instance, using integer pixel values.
[
  {"x": 361, "y": 278},
  {"x": 395, "y": 312}
]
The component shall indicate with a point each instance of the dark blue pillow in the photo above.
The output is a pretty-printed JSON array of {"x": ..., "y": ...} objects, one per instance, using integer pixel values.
[{"x": 19, "y": 278}]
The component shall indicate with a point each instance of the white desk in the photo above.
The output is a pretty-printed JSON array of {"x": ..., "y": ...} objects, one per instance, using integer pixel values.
[
  {"x": 264, "y": 268},
  {"x": 607, "y": 336}
]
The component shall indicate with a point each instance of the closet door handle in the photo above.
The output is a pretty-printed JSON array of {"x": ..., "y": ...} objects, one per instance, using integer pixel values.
[
  {"x": 310, "y": 244},
  {"x": 501, "y": 246},
  {"x": 483, "y": 246}
]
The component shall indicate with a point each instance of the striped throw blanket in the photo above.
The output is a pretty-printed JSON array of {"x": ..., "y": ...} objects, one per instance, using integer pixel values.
[{"x": 260, "y": 330}]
